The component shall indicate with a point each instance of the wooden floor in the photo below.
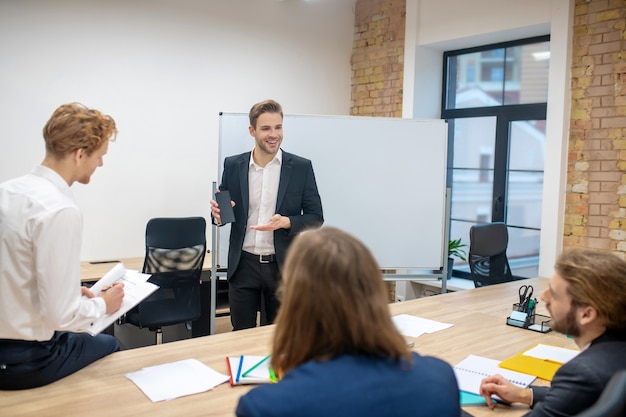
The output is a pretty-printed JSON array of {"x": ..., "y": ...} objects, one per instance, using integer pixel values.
[{"x": 222, "y": 325}]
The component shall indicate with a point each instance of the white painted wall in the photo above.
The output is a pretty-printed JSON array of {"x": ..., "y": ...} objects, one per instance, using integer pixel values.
[
  {"x": 435, "y": 26},
  {"x": 164, "y": 69}
]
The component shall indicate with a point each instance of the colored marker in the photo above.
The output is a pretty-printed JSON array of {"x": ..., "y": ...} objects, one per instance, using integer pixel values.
[
  {"x": 239, "y": 369},
  {"x": 273, "y": 375},
  {"x": 256, "y": 365}
]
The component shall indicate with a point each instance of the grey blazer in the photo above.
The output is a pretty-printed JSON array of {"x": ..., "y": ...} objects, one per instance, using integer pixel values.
[{"x": 579, "y": 383}]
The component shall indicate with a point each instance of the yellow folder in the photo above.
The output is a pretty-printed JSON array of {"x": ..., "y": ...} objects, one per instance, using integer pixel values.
[{"x": 541, "y": 368}]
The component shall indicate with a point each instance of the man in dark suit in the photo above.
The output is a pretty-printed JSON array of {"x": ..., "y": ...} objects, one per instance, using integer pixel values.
[
  {"x": 274, "y": 197},
  {"x": 587, "y": 300}
]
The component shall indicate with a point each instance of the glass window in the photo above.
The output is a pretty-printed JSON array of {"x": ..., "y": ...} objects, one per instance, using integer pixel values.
[
  {"x": 495, "y": 103},
  {"x": 500, "y": 76}
]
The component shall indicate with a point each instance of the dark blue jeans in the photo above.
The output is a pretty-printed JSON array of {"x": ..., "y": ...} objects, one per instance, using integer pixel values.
[{"x": 29, "y": 364}]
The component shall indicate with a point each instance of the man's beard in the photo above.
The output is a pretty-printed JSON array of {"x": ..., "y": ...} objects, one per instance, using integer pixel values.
[{"x": 568, "y": 325}]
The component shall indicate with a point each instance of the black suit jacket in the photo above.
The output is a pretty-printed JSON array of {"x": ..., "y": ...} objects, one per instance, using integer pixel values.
[
  {"x": 577, "y": 385},
  {"x": 297, "y": 199}
]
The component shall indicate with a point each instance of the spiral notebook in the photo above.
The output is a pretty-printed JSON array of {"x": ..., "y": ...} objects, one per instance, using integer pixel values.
[{"x": 471, "y": 370}]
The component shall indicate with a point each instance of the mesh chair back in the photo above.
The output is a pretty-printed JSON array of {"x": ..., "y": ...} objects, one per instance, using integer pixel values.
[
  {"x": 487, "y": 255},
  {"x": 175, "y": 250}
]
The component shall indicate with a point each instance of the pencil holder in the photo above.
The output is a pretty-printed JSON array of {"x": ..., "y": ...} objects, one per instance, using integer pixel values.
[{"x": 528, "y": 319}]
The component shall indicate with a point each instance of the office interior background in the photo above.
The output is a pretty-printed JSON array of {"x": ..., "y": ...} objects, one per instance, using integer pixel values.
[{"x": 165, "y": 70}]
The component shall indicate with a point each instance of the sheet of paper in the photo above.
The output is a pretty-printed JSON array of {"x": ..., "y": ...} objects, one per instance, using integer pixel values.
[
  {"x": 115, "y": 274},
  {"x": 136, "y": 288},
  {"x": 414, "y": 326},
  {"x": 552, "y": 353},
  {"x": 471, "y": 371},
  {"x": 176, "y": 379}
]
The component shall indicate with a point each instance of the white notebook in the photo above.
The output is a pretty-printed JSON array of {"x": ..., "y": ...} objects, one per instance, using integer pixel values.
[{"x": 471, "y": 370}]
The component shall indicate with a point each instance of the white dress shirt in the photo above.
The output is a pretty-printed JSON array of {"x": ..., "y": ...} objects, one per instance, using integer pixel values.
[
  {"x": 263, "y": 192},
  {"x": 40, "y": 240}
]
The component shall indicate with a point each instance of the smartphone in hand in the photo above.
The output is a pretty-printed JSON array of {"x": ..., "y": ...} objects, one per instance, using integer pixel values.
[{"x": 227, "y": 214}]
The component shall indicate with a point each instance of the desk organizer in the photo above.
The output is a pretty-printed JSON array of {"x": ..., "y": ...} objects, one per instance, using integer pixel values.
[{"x": 528, "y": 320}]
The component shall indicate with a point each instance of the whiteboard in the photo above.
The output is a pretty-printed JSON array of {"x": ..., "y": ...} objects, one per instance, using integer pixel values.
[{"x": 380, "y": 179}]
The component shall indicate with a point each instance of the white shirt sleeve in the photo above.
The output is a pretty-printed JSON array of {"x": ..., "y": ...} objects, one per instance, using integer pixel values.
[{"x": 57, "y": 241}]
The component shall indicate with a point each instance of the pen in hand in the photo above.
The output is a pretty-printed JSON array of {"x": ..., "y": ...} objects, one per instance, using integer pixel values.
[{"x": 105, "y": 289}]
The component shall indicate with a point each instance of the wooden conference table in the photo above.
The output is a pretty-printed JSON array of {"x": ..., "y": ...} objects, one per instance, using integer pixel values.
[
  {"x": 93, "y": 271},
  {"x": 478, "y": 317}
]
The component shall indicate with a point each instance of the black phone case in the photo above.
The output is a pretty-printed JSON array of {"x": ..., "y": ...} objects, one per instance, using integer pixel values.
[{"x": 227, "y": 213}]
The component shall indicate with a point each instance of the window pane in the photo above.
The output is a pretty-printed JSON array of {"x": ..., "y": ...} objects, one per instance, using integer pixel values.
[
  {"x": 472, "y": 174},
  {"x": 523, "y": 252},
  {"x": 471, "y": 198},
  {"x": 474, "y": 142},
  {"x": 524, "y": 199},
  {"x": 528, "y": 143},
  {"x": 527, "y": 74},
  {"x": 501, "y": 76},
  {"x": 459, "y": 229},
  {"x": 525, "y": 178},
  {"x": 479, "y": 79}
]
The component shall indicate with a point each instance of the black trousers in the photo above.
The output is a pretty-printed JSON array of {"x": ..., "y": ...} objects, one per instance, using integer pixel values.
[
  {"x": 29, "y": 364},
  {"x": 253, "y": 284}
]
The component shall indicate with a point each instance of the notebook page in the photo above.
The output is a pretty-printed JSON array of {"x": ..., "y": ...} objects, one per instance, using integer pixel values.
[{"x": 471, "y": 370}]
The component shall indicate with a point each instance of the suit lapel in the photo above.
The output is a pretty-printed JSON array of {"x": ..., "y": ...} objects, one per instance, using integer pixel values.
[
  {"x": 285, "y": 176},
  {"x": 244, "y": 166}
]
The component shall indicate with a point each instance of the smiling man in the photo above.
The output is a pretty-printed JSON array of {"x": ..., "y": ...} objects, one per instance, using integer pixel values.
[
  {"x": 586, "y": 299},
  {"x": 41, "y": 299},
  {"x": 274, "y": 195}
]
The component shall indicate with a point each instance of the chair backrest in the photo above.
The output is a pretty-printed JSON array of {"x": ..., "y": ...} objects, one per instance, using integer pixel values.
[
  {"x": 175, "y": 250},
  {"x": 175, "y": 244},
  {"x": 487, "y": 254},
  {"x": 612, "y": 401}
]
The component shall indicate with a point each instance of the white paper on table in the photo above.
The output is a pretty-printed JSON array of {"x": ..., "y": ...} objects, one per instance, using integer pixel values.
[
  {"x": 553, "y": 353},
  {"x": 414, "y": 326},
  {"x": 176, "y": 379}
]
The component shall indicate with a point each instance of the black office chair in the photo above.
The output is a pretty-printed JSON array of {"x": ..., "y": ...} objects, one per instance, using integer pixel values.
[
  {"x": 612, "y": 401},
  {"x": 175, "y": 249},
  {"x": 487, "y": 254}
]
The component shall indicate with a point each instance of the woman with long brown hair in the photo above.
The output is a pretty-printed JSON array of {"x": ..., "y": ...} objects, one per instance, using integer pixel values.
[{"x": 335, "y": 346}]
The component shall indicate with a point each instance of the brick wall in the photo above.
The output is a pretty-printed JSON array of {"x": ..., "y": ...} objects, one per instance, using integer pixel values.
[
  {"x": 378, "y": 63},
  {"x": 595, "y": 212},
  {"x": 378, "y": 58}
]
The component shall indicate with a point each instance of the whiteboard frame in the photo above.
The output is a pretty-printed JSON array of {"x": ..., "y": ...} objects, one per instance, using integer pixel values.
[{"x": 375, "y": 197}]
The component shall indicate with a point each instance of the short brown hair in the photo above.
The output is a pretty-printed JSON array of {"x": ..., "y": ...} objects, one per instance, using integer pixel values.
[
  {"x": 598, "y": 279},
  {"x": 334, "y": 302},
  {"x": 267, "y": 106},
  {"x": 73, "y": 126}
]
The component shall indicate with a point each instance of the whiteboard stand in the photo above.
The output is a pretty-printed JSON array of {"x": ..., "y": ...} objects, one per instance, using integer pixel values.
[
  {"x": 427, "y": 275},
  {"x": 213, "y": 270}
]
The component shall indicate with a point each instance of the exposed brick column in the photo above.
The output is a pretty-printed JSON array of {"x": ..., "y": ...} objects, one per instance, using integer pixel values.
[
  {"x": 378, "y": 58},
  {"x": 595, "y": 211},
  {"x": 378, "y": 63}
]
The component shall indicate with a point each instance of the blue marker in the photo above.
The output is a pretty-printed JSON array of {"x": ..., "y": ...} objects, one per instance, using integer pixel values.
[{"x": 239, "y": 369}]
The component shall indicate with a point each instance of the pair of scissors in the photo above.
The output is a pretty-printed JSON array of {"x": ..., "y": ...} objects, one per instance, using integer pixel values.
[{"x": 525, "y": 295}]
